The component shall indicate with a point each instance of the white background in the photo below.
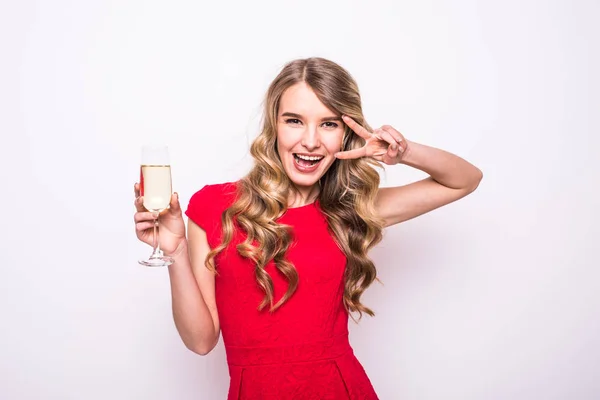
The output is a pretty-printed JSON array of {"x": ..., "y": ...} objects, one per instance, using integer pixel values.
[{"x": 493, "y": 297}]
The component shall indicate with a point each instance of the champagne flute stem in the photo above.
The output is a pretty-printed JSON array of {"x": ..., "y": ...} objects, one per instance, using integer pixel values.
[{"x": 155, "y": 244}]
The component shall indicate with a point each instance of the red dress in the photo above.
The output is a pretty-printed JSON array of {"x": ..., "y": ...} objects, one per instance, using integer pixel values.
[{"x": 301, "y": 351}]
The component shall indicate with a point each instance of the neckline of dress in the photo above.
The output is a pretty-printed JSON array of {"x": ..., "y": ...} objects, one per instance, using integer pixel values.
[{"x": 314, "y": 203}]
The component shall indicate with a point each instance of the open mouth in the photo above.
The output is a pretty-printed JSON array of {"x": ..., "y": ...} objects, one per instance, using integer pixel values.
[{"x": 307, "y": 161}]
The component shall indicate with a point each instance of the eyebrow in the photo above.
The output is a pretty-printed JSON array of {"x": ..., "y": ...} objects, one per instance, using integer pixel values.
[{"x": 294, "y": 115}]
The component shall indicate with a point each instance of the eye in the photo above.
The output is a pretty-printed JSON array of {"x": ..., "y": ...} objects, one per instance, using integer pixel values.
[
  {"x": 293, "y": 121},
  {"x": 330, "y": 124}
]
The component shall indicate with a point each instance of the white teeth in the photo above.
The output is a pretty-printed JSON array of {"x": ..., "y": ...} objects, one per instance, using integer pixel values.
[{"x": 307, "y": 158}]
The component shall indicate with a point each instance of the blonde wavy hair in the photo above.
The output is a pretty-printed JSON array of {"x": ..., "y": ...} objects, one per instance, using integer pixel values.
[{"x": 346, "y": 197}]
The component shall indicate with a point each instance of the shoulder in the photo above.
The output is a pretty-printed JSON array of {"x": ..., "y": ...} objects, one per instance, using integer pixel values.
[
  {"x": 215, "y": 194},
  {"x": 207, "y": 204}
]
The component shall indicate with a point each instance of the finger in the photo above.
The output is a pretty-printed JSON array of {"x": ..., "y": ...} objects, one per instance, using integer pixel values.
[
  {"x": 356, "y": 128},
  {"x": 395, "y": 134},
  {"x": 136, "y": 189},
  {"x": 139, "y": 204},
  {"x": 377, "y": 134},
  {"x": 351, "y": 154},
  {"x": 142, "y": 226},
  {"x": 386, "y": 136},
  {"x": 144, "y": 216},
  {"x": 175, "y": 207},
  {"x": 392, "y": 151}
]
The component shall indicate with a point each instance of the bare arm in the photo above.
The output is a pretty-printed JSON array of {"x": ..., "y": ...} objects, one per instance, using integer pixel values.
[
  {"x": 193, "y": 293},
  {"x": 451, "y": 178}
]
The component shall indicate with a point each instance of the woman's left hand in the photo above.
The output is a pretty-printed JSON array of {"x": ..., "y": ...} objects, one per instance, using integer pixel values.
[{"x": 385, "y": 144}]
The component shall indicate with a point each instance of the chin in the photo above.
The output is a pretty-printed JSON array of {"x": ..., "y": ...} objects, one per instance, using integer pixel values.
[{"x": 303, "y": 181}]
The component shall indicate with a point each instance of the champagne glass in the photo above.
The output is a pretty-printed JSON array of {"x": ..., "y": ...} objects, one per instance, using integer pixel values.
[{"x": 155, "y": 187}]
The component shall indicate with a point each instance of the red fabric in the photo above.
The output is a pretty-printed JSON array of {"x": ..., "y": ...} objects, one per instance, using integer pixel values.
[{"x": 300, "y": 351}]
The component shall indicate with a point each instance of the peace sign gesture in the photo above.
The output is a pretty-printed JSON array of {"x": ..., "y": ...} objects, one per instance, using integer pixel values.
[{"x": 385, "y": 144}]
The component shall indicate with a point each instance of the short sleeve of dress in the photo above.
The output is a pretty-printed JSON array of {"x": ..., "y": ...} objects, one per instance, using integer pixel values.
[
  {"x": 206, "y": 206},
  {"x": 199, "y": 207}
]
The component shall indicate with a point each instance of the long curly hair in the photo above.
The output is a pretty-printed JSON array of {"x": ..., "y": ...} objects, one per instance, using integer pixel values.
[{"x": 346, "y": 197}]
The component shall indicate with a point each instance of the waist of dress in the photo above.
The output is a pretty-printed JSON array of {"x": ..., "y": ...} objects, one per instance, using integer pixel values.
[{"x": 330, "y": 348}]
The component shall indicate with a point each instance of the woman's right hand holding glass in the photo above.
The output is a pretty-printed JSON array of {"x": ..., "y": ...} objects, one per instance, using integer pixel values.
[{"x": 171, "y": 226}]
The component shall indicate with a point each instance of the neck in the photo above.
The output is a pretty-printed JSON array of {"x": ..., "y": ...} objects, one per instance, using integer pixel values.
[{"x": 303, "y": 196}]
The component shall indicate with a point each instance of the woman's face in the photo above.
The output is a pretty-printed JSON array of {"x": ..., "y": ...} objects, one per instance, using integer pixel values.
[{"x": 308, "y": 136}]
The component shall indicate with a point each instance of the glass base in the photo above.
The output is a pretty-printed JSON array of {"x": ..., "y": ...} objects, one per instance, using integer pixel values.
[{"x": 162, "y": 261}]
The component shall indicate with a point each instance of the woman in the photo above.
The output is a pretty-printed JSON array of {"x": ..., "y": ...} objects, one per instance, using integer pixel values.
[{"x": 277, "y": 261}]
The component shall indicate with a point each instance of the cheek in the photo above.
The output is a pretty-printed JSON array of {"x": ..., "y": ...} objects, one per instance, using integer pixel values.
[
  {"x": 285, "y": 139},
  {"x": 333, "y": 142}
]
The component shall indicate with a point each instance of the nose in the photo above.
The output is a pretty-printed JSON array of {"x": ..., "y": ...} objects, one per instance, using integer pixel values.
[{"x": 311, "y": 137}]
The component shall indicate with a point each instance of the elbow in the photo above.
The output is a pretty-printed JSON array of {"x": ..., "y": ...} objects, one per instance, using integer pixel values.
[
  {"x": 201, "y": 347},
  {"x": 479, "y": 176},
  {"x": 476, "y": 180},
  {"x": 200, "y": 350}
]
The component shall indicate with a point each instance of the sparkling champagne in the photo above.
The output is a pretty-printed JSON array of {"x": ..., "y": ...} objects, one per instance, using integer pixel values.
[{"x": 155, "y": 186}]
